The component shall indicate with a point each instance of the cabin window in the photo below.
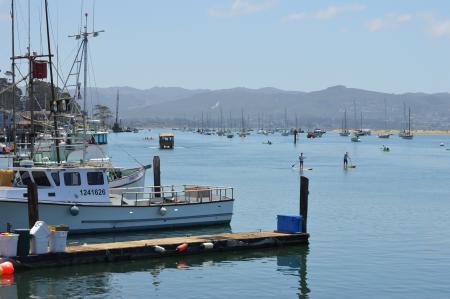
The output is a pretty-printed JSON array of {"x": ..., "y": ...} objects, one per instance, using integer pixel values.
[
  {"x": 25, "y": 178},
  {"x": 72, "y": 179},
  {"x": 95, "y": 178},
  {"x": 40, "y": 178},
  {"x": 55, "y": 176}
]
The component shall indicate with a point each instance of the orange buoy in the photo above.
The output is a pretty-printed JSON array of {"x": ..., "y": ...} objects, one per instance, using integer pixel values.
[
  {"x": 182, "y": 265},
  {"x": 7, "y": 268},
  {"x": 182, "y": 247},
  {"x": 7, "y": 280}
]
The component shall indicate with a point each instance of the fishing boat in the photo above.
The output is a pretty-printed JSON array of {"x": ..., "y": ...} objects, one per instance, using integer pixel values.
[{"x": 81, "y": 198}]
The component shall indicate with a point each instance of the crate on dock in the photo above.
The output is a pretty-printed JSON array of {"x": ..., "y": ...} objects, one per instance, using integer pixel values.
[{"x": 289, "y": 224}]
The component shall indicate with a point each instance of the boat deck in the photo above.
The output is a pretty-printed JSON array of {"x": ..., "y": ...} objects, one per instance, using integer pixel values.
[
  {"x": 119, "y": 201},
  {"x": 166, "y": 195}
]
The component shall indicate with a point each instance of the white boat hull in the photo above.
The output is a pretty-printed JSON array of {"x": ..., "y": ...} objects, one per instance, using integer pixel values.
[
  {"x": 101, "y": 218},
  {"x": 137, "y": 179}
]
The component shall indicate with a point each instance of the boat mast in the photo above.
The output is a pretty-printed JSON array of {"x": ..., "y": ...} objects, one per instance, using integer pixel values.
[
  {"x": 285, "y": 119},
  {"x": 361, "y": 122},
  {"x": 13, "y": 74},
  {"x": 84, "y": 43},
  {"x": 409, "y": 120},
  {"x": 52, "y": 87},
  {"x": 117, "y": 107},
  {"x": 30, "y": 101},
  {"x": 345, "y": 120},
  {"x": 242, "y": 121}
]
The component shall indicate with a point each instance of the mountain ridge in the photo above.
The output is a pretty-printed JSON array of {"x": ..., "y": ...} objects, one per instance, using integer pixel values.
[{"x": 324, "y": 108}]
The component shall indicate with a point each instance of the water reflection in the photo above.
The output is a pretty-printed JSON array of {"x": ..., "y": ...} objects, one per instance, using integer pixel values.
[
  {"x": 106, "y": 279},
  {"x": 295, "y": 264}
]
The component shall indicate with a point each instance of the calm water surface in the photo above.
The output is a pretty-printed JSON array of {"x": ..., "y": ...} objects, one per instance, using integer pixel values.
[{"x": 379, "y": 230}]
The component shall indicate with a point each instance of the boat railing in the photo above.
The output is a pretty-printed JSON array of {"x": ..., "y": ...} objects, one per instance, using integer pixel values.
[{"x": 172, "y": 194}]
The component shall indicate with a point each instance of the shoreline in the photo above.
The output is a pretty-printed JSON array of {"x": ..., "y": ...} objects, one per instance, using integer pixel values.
[{"x": 418, "y": 132}]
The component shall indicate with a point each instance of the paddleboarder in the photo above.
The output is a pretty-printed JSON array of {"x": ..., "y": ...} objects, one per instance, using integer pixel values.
[
  {"x": 300, "y": 159},
  {"x": 346, "y": 157}
]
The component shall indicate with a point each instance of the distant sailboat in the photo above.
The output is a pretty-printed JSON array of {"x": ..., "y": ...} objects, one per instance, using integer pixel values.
[
  {"x": 385, "y": 135},
  {"x": 285, "y": 132},
  {"x": 116, "y": 127},
  {"x": 229, "y": 132},
  {"x": 243, "y": 132},
  {"x": 406, "y": 133},
  {"x": 344, "y": 129}
]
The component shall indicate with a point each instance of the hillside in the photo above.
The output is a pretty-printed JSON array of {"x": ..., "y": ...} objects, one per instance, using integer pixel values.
[{"x": 324, "y": 108}]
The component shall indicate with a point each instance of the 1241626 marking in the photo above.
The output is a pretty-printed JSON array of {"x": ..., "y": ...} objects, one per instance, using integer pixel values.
[{"x": 86, "y": 192}]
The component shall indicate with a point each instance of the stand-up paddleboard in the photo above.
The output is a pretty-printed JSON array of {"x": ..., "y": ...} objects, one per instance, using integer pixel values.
[
  {"x": 298, "y": 168},
  {"x": 350, "y": 167}
]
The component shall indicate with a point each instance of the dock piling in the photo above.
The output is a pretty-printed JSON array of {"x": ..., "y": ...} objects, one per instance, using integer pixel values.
[
  {"x": 33, "y": 212},
  {"x": 156, "y": 176},
  {"x": 304, "y": 192}
]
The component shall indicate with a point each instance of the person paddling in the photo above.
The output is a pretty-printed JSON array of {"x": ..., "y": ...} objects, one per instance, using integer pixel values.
[
  {"x": 346, "y": 157},
  {"x": 301, "y": 159}
]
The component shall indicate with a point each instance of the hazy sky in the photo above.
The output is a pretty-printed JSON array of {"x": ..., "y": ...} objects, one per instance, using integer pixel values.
[{"x": 384, "y": 45}]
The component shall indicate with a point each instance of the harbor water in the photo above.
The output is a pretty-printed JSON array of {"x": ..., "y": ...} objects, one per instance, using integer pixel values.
[{"x": 380, "y": 229}]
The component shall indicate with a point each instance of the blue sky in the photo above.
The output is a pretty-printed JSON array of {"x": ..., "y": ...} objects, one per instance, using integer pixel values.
[{"x": 384, "y": 45}]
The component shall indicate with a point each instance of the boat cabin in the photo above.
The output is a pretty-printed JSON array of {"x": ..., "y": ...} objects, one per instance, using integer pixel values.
[
  {"x": 166, "y": 140},
  {"x": 78, "y": 184}
]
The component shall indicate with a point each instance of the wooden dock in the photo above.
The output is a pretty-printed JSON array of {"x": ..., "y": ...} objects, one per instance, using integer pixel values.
[{"x": 141, "y": 249}]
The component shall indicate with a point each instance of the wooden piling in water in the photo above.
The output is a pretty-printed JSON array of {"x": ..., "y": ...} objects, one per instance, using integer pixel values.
[
  {"x": 157, "y": 176},
  {"x": 33, "y": 211},
  {"x": 304, "y": 191}
]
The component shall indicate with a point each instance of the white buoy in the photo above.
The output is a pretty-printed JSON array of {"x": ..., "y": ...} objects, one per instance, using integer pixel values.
[
  {"x": 160, "y": 249},
  {"x": 162, "y": 211},
  {"x": 208, "y": 245}
]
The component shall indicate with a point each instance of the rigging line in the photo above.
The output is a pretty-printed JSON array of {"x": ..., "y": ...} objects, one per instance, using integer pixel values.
[
  {"x": 73, "y": 65},
  {"x": 11, "y": 86},
  {"x": 16, "y": 26},
  {"x": 124, "y": 150},
  {"x": 95, "y": 81},
  {"x": 71, "y": 54}
]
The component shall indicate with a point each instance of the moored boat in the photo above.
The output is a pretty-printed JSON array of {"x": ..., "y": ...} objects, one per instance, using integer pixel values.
[{"x": 80, "y": 198}]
